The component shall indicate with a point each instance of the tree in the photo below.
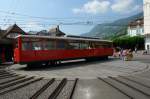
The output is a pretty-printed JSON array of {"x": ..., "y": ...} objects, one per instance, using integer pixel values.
[{"x": 127, "y": 42}]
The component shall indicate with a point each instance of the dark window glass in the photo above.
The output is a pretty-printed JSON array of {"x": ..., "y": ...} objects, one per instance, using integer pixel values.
[
  {"x": 26, "y": 46},
  {"x": 84, "y": 45},
  {"x": 37, "y": 46},
  {"x": 74, "y": 45},
  {"x": 50, "y": 45},
  {"x": 60, "y": 45},
  {"x": 100, "y": 45}
]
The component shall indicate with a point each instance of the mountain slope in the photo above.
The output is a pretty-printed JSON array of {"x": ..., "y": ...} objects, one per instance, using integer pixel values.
[{"x": 116, "y": 28}]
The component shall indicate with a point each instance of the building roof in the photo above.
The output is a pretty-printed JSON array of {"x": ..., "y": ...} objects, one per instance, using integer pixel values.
[
  {"x": 56, "y": 31},
  {"x": 137, "y": 22},
  {"x": 13, "y": 29},
  {"x": 75, "y": 36},
  {"x": 43, "y": 32},
  {"x": 64, "y": 38},
  {"x": 2, "y": 32}
]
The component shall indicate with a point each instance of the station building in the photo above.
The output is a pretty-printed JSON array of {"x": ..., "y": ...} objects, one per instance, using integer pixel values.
[
  {"x": 147, "y": 23},
  {"x": 7, "y": 42},
  {"x": 52, "y": 32}
]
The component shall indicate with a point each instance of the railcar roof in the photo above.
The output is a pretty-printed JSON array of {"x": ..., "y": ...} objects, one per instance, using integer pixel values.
[{"x": 63, "y": 38}]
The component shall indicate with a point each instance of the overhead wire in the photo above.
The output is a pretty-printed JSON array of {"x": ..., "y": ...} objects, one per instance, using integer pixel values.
[
  {"x": 10, "y": 7},
  {"x": 46, "y": 21}
]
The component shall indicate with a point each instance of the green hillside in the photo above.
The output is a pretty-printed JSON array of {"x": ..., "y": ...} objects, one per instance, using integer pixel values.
[{"x": 114, "y": 29}]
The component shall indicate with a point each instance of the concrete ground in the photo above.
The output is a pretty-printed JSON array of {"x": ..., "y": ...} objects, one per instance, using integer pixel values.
[
  {"x": 88, "y": 70},
  {"x": 111, "y": 79}
]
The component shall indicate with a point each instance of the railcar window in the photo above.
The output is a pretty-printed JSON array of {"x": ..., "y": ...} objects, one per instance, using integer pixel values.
[
  {"x": 44, "y": 45},
  {"x": 60, "y": 45},
  {"x": 26, "y": 46},
  {"x": 84, "y": 45},
  {"x": 74, "y": 45},
  {"x": 48, "y": 45},
  {"x": 39, "y": 45},
  {"x": 107, "y": 45},
  {"x": 91, "y": 45},
  {"x": 97, "y": 45},
  {"x": 36, "y": 46},
  {"x": 101, "y": 45}
]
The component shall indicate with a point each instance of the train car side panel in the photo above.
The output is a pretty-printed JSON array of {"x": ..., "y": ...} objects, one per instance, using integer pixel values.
[{"x": 29, "y": 56}]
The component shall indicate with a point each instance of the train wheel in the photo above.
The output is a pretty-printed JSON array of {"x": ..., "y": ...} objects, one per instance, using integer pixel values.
[
  {"x": 55, "y": 62},
  {"x": 105, "y": 58},
  {"x": 46, "y": 63},
  {"x": 87, "y": 59},
  {"x": 30, "y": 65},
  {"x": 52, "y": 63},
  {"x": 58, "y": 62}
]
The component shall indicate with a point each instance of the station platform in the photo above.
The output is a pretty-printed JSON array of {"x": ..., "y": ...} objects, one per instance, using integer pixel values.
[{"x": 133, "y": 83}]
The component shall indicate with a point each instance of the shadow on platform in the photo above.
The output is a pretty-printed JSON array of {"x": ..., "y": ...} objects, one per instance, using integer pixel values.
[{"x": 65, "y": 65}]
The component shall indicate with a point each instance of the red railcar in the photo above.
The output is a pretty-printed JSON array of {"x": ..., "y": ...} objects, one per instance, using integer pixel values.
[{"x": 43, "y": 49}]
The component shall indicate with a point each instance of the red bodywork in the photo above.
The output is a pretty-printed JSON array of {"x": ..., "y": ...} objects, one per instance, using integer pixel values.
[
  {"x": 42, "y": 55},
  {"x": 28, "y": 56}
]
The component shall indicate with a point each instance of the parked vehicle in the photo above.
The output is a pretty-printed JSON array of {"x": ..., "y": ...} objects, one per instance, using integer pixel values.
[{"x": 32, "y": 50}]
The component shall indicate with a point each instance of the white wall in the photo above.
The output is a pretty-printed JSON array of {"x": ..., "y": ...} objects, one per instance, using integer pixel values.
[
  {"x": 132, "y": 31},
  {"x": 147, "y": 16},
  {"x": 135, "y": 31},
  {"x": 147, "y": 22}
]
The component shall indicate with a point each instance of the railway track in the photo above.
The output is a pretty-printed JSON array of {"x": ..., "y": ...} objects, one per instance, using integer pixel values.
[{"x": 14, "y": 86}]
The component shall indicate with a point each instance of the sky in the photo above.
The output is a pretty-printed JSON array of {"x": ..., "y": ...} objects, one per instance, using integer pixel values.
[{"x": 74, "y": 16}]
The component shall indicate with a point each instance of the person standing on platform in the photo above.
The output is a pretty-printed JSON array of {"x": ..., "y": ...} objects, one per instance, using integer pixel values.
[
  {"x": 124, "y": 54},
  {"x": 121, "y": 53},
  {"x": 135, "y": 49}
]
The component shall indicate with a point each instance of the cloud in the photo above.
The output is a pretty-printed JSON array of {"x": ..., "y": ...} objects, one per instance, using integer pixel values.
[
  {"x": 93, "y": 7},
  {"x": 103, "y": 6},
  {"x": 32, "y": 25},
  {"x": 125, "y": 6}
]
